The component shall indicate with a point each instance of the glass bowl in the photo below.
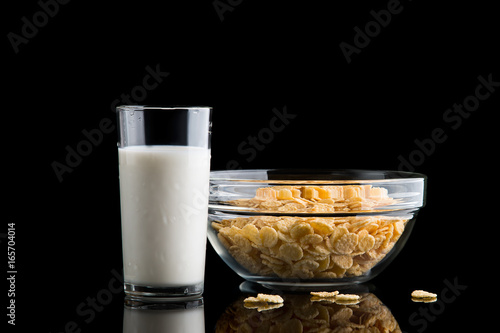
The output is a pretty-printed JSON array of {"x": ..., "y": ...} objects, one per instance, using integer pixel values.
[{"x": 310, "y": 228}]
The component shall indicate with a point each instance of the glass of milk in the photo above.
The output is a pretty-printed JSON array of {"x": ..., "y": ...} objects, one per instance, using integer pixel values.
[{"x": 164, "y": 165}]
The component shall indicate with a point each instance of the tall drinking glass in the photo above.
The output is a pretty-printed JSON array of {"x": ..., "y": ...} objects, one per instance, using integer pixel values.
[{"x": 164, "y": 165}]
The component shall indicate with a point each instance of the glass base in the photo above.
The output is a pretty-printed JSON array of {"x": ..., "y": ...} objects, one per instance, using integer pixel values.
[
  {"x": 135, "y": 290},
  {"x": 158, "y": 303}
]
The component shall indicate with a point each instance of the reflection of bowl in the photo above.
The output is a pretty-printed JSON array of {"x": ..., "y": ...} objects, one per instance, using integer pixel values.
[
  {"x": 310, "y": 228},
  {"x": 306, "y": 313}
]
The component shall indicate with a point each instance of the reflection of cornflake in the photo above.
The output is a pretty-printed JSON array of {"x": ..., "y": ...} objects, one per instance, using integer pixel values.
[
  {"x": 262, "y": 306},
  {"x": 424, "y": 300},
  {"x": 347, "y": 302},
  {"x": 298, "y": 314},
  {"x": 347, "y": 297},
  {"x": 421, "y": 294},
  {"x": 322, "y": 299},
  {"x": 334, "y": 297},
  {"x": 342, "y": 314}
]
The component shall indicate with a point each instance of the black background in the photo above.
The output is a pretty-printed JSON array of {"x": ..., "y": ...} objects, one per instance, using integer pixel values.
[{"x": 255, "y": 58}]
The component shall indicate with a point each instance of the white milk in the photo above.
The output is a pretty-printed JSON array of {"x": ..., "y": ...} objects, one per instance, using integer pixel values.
[{"x": 164, "y": 197}]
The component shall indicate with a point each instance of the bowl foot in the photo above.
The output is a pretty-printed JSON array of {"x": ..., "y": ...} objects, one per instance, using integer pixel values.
[{"x": 279, "y": 288}]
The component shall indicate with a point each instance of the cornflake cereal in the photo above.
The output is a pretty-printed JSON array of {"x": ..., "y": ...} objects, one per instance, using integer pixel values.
[
  {"x": 299, "y": 314},
  {"x": 316, "y": 199},
  {"x": 309, "y": 247},
  {"x": 346, "y": 297},
  {"x": 325, "y": 293},
  {"x": 423, "y": 296},
  {"x": 265, "y": 298},
  {"x": 263, "y": 302}
]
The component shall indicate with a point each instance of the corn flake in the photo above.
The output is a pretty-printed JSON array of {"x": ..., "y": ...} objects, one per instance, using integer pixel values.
[
  {"x": 346, "y": 244},
  {"x": 321, "y": 227},
  {"x": 347, "y": 299},
  {"x": 422, "y": 294},
  {"x": 301, "y": 229},
  {"x": 343, "y": 261},
  {"x": 268, "y": 236},
  {"x": 291, "y": 251},
  {"x": 325, "y": 293},
  {"x": 251, "y": 232},
  {"x": 309, "y": 247},
  {"x": 366, "y": 242},
  {"x": 265, "y": 298}
]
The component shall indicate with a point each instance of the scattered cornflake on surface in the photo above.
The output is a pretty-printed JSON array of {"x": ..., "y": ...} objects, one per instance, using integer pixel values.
[
  {"x": 270, "y": 298},
  {"x": 265, "y": 298},
  {"x": 347, "y": 297},
  {"x": 252, "y": 300},
  {"x": 325, "y": 293},
  {"x": 263, "y": 302},
  {"x": 422, "y": 294}
]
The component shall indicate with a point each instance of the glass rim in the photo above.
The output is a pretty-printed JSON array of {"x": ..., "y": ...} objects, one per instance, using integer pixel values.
[{"x": 125, "y": 108}]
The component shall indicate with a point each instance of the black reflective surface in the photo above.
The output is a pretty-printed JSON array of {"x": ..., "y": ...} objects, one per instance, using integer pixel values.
[
  {"x": 222, "y": 309},
  {"x": 298, "y": 85}
]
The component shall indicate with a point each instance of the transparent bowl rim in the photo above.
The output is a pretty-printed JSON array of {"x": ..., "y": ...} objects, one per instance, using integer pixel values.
[{"x": 316, "y": 176}]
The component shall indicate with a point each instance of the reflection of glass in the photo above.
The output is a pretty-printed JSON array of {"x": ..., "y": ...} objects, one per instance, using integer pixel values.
[
  {"x": 171, "y": 317},
  {"x": 305, "y": 313}
]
